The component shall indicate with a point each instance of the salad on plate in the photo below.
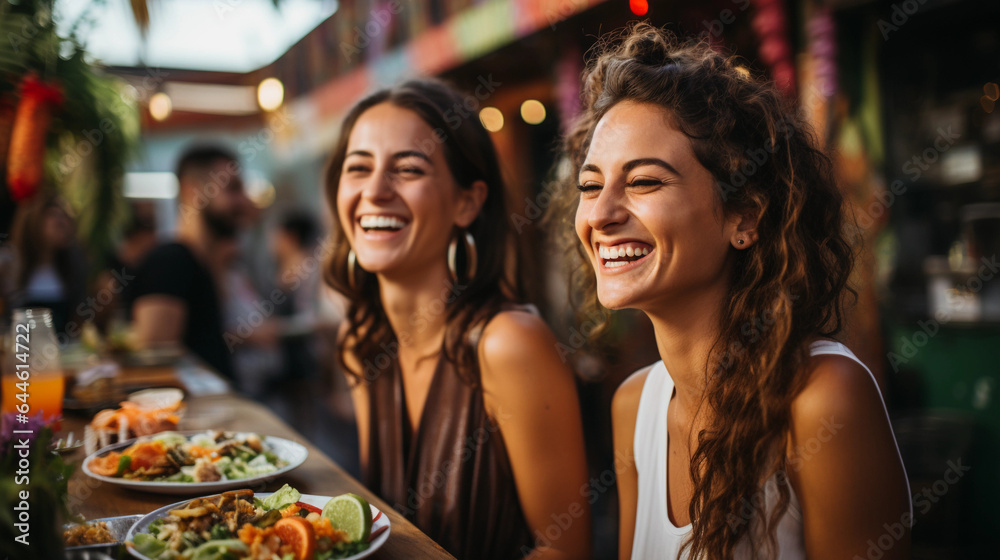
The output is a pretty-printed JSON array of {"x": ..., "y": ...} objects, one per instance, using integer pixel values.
[
  {"x": 237, "y": 525},
  {"x": 205, "y": 457}
]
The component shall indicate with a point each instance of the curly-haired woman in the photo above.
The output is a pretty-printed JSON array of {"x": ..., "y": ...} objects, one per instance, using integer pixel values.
[
  {"x": 704, "y": 202},
  {"x": 468, "y": 420}
]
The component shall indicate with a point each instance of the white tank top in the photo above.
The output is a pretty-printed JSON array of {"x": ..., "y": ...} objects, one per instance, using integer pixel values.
[{"x": 655, "y": 535}]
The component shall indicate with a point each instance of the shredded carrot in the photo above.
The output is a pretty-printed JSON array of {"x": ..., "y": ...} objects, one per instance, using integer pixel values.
[
  {"x": 324, "y": 528},
  {"x": 290, "y": 511},
  {"x": 249, "y": 534}
]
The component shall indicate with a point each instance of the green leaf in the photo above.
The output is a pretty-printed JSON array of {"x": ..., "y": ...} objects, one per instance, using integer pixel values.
[
  {"x": 124, "y": 462},
  {"x": 285, "y": 496},
  {"x": 148, "y": 545}
]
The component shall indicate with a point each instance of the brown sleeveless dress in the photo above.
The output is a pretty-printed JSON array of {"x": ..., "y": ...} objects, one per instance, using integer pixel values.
[{"x": 453, "y": 479}]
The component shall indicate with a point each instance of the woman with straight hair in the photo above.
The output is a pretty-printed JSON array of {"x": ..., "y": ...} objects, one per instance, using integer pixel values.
[
  {"x": 701, "y": 199},
  {"x": 51, "y": 269},
  {"x": 468, "y": 420}
]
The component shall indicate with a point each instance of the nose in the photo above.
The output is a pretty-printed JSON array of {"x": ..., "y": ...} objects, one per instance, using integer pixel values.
[
  {"x": 378, "y": 187},
  {"x": 607, "y": 210}
]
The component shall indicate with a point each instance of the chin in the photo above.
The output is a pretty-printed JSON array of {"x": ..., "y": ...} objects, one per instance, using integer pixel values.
[{"x": 615, "y": 299}]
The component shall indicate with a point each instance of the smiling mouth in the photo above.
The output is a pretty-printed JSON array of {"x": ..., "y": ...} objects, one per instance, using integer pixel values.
[
  {"x": 622, "y": 255},
  {"x": 377, "y": 222}
]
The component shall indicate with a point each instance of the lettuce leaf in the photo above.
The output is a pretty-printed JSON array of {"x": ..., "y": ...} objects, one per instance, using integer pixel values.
[
  {"x": 218, "y": 550},
  {"x": 148, "y": 545},
  {"x": 285, "y": 496}
]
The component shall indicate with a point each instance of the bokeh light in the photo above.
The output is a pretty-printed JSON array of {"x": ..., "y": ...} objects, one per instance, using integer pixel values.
[
  {"x": 270, "y": 94},
  {"x": 532, "y": 111},
  {"x": 638, "y": 7},
  {"x": 492, "y": 118},
  {"x": 160, "y": 106}
]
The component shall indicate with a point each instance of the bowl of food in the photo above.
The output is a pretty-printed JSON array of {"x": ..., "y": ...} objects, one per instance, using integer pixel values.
[
  {"x": 194, "y": 462},
  {"x": 241, "y": 524},
  {"x": 104, "y": 535}
]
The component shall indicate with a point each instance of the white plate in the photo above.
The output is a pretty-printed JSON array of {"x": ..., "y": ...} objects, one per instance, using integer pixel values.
[
  {"x": 311, "y": 499},
  {"x": 295, "y": 454}
]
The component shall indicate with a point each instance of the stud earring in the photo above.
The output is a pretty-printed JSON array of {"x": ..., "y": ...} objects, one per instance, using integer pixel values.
[{"x": 740, "y": 241}]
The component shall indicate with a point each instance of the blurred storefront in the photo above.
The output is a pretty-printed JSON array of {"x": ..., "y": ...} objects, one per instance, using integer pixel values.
[{"x": 908, "y": 112}]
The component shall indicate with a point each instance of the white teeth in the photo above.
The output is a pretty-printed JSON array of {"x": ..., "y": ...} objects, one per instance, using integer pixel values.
[
  {"x": 620, "y": 252},
  {"x": 381, "y": 222}
]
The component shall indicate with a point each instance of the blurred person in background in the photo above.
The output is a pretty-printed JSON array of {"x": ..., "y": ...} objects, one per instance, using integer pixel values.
[
  {"x": 120, "y": 265},
  {"x": 469, "y": 421},
  {"x": 176, "y": 297},
  {"x": 299, "y": 276},
  {"x": 251, "y": 328},
  {"x": 50, "y": 268}
]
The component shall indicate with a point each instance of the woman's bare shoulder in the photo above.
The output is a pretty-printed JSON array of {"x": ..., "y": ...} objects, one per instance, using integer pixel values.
[{"x": 625, "y": 404}]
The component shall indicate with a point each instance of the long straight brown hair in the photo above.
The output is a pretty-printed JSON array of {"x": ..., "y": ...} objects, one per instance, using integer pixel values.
[
  {"x": 28, "y": 240},
  {"x": 784, "y": 292},
  {"x": 471, "y": 156}
]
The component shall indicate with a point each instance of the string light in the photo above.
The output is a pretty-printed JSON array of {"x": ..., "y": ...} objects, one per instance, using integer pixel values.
[
  {"x": 270, "y": 94},
  {"x": 532, "y": 111},
  {"x": 638, "y": 7},
  {"x": 492, "y": 119},
  {"x": 160, "y": 106}
]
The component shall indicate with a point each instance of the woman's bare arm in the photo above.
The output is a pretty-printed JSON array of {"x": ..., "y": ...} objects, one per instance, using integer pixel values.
[
  {"x": 844, "y": 466},
  {"x": 531, "y": 394},
  {"x": 624, "y": 409}
]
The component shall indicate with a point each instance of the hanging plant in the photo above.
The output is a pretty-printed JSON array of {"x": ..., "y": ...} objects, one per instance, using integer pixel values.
[
  {"x": 27, "y": 141},
  {"x": 83, "y": 143}
]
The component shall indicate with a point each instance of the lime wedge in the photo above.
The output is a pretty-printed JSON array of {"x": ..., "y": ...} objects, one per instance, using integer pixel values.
[{"x": 350, "y": 513}]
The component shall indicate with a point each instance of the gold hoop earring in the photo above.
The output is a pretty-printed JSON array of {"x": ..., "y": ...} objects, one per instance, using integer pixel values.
[
  {"x": 352, "y": 264},
  {"x": 470, "y": 257}
]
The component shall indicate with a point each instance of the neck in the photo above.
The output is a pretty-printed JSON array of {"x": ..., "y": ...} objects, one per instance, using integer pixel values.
[
  {"x": 128, "y": 254},
  {"x": 192, "y": 233},
  {"x": 415, "y": 305},
  {"x": 685, "y": 330},
  {"x": 292, "y": 260}
]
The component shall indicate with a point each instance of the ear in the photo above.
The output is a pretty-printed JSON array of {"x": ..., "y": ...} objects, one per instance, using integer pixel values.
[
  {"x": 187, "y": 189},
  {"x": 742, "y": 229},
  {"x": 470, "y": 203}
]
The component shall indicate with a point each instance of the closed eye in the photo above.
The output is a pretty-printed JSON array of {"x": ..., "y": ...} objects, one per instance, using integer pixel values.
[
  {"x": 357, "y": 168},
  {"x": 588, "y": 187},
  {"x": 410, "y": 170},
  {"x": 645, "y": 183}
]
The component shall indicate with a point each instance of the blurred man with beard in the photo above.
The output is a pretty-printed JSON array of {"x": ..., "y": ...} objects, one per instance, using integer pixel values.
[{"x": 176, "y": 296}]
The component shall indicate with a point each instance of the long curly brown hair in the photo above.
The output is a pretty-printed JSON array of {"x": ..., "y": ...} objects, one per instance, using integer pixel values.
[
  {"x": 784, "y": 292},
  {"x": 471, "y": 156}
]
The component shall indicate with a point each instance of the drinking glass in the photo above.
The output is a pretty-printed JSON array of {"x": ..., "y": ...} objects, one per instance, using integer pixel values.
[{"x": 32, "y": 381}]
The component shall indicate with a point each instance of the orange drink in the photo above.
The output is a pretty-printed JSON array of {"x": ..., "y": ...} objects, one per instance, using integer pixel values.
[
  {"x": 43, "y": 393},
  {"x": 32, "y": 381}
]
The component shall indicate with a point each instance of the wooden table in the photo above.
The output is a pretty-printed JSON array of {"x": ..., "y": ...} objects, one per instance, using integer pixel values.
[{"x": 318, "y": 475}]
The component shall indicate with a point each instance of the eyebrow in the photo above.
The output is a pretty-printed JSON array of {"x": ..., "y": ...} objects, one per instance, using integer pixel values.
[
  {"x": 649, "y": 161},
  {"x": 629, "y": 166},
  {"x": 412, "y": 153},
  {"x": 396, "y": 156}
]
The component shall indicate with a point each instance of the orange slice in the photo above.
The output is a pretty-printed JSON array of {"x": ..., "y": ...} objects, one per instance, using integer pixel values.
[{"x": 299, "y": 535}]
